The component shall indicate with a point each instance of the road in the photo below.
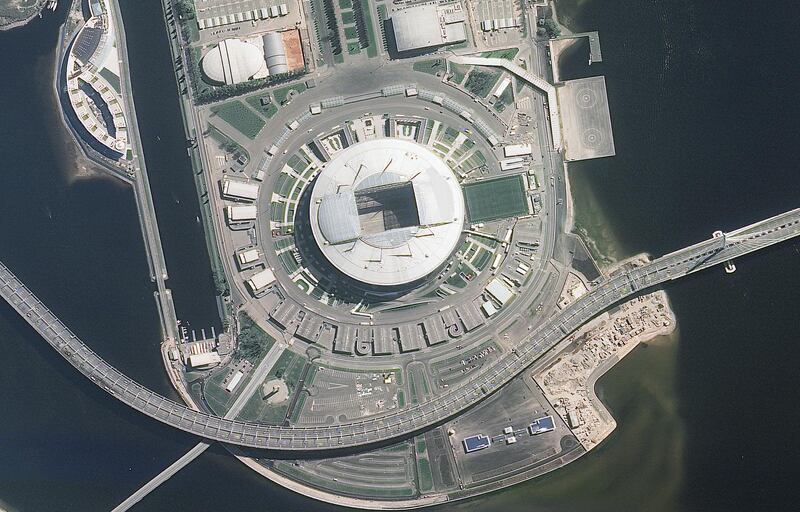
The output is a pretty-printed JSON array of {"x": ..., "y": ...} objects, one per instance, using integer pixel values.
[
  {"x": 259, "y": 374},
  {"x": 406, "y": 421}
]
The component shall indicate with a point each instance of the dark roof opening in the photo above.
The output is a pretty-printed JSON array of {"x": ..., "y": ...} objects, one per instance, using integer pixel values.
[{"x": 386, "y": 207}]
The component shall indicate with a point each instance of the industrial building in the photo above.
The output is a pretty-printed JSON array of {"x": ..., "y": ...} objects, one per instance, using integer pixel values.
[
  {"x": 216, "y": 13},
  {"x": 234, "y": 61},
  {"x": 429, "y": 25},
  {"x": 240, "y": 213},
  {"x": 477, "y": 442},
  {"x": 239, "y": 190},
  {"x": 542, "y": 425},
  {"x": 260, "y": 281}
]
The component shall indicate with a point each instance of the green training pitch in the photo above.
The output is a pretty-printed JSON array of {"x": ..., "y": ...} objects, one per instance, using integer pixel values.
[{"x": 496, "y": 199}]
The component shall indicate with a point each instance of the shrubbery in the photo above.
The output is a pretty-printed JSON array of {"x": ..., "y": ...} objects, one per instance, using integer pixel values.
[{"x": 253, "y": 341}]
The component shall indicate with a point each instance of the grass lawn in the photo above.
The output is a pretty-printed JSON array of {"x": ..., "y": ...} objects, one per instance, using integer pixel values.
[
  {"x": 430, "y": 67},
  {"x": 265, "y": 110},
  {"x": 508, "y": 53},
  {"x": 496, "y": 199},
  {"x": 353, "y": 48},
  {"x": 425, "y": 475},
  {"x": 505, "y": 99},
  {"x": 283, "y": 92},
  {"x": 253, "y": 342},
  {"x": 236, "y": 114},
  {"x": 480, "y": 83},
  {"x": 225, "y": 142},
  {"x": 372, "y": 49},
  {"x": 459, "y": 72},
  {"x": 350, "y": 33},
  {"x": 348, "y": 18},
  {"x": 288, "y": 367},
  {"x": 192, "y": 30},
  {"x": 111, "y": 78},
  {"x": 340, "y": 486},
  {"x": 482, "y": 259},
  {"x": 346, "y": 4}
]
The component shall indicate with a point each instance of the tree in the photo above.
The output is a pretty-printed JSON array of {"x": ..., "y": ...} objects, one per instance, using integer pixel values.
[
  {"x": 552, "y": 28},
  {"x": 184, "y": 9},
  {"x": 480, "y": 82},
  {"x": 252, "y": 340}
]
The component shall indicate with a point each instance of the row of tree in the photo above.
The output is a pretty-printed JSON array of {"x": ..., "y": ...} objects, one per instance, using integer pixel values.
[
  {"x": 361, "y": 26},
  {"x": 333, "y": 27},
  {"x": 213, "y": 94}
]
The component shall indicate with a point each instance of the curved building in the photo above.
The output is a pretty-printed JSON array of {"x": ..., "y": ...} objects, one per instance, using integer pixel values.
[
  {"x": 275, "y": 53},
  {"x": 387, "y": 212},
  {"x": 233, "y": 61}
]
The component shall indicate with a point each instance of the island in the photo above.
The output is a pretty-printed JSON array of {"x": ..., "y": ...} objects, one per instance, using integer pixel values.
[
  {"x": 16, "y": 13},
  {"x": 409, "y": 317}
]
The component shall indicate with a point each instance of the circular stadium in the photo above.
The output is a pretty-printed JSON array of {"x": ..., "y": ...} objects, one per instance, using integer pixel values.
[{"x": 386, "y": 212}]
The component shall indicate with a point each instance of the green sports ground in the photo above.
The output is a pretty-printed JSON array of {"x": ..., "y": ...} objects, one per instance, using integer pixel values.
[{"x": 496, "y": 199}]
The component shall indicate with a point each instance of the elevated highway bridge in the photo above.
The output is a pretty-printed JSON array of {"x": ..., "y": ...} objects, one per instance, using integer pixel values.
[{"x": 403, "y": 422}]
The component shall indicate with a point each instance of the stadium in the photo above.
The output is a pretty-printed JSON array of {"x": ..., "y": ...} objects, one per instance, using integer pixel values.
[{"x": 378, "y": 209}]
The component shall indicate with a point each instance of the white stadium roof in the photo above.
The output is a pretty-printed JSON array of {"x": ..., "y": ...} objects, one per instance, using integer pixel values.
[
  {"x": 387, "y": 212},
  {"x": 233, "y": 61}
]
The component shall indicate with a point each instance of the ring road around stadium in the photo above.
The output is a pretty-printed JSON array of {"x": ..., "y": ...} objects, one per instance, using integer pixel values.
[{"x": 389, "y": 251}]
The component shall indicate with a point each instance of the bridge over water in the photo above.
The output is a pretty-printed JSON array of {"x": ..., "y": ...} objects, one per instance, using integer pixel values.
[{"x": 411, "y": 419}]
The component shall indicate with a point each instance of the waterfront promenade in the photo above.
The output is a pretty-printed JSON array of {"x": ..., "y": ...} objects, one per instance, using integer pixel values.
[{"x": 406, "y": 421}]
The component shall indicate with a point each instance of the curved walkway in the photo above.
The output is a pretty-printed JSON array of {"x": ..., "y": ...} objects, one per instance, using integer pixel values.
[{"x": 411, "y": 419}]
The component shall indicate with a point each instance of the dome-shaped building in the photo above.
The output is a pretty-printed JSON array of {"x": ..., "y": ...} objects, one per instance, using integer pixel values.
[
  {"x": 387, "y": 212},
  {"x": 233, "y": 61}
]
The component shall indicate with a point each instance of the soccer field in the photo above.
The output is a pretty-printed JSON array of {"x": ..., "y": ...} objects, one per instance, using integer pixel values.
[{"x": 496, "y": 199}]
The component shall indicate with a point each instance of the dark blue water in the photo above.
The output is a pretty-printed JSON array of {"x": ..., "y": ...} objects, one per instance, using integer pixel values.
[
  {"x": 705, "y": 127},
  {"x": 169, "y": 168},
  {"x": 704, "y": 121},
  {"x": 64, "y": 444}
]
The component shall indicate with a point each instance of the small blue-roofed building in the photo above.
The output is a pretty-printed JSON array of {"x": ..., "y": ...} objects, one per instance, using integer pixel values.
[
  {"x": 475, "y": 443},
  {"x": 542, "y": 425}
]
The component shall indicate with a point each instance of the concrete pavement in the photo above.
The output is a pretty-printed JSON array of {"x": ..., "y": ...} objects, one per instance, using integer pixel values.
[{"x": 411, "y": 419}]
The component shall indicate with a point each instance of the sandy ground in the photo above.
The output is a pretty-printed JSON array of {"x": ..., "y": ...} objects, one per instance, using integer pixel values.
[{"x": 568, "y": 383}]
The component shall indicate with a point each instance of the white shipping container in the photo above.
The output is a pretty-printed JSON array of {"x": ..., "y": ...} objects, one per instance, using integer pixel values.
[
  {"x": 513, "y": 150},
  {"x": 239, "y": 189},
  {"x": 237, "y": 377},
  {"x": 241, "y": 213},
  {"x": 248, "y": 256},
  {"x": 261, "y": 280}
]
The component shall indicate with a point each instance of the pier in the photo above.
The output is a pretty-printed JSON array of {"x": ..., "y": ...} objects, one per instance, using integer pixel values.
[{"x": 595, "y": 54}]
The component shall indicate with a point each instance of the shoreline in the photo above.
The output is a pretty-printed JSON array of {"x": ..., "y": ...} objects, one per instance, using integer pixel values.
[
  {"x": 367, "y": 503},
  {"x": 569, "y": 379},
  {"x": 39, "y": 8}
]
